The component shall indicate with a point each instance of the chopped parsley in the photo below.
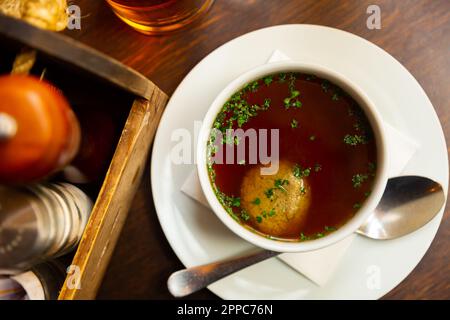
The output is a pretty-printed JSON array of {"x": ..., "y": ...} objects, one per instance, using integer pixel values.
[
  {"x": 303, "y": 237},
  {"x": 244, "y": 215},
  {"x": 257, "y": 201},
  {"x": 268, "y": 80},
  {"x": 279, "y": 184},
  {"x": 295, "y": 94},
  {"x": 228, "y": 201},
  {"x": 259, "y": 219},
  {"x": 292, "y": 101},
  {"x": 229, "y": 139},
  {"x": 235, "y": 202},
  {"x": 269, "y": 214},
  {"x": 252, "y": 86},
  {"x": 319, "y": 235},
  {"x": 354, "y": 140},
  {"x": 297, "y": 104},
  {"x": 237, "y": 111},
  {"x": 266, "y": 104},
  {"x": 294, "y": 124},
  {"x": 317, "y": 167},
  {"x": 269, "y": 193},
  {"x": 300, "y": 172},
  {"x": 357, "y": 205},
  {"x": 358, "y": 179}
]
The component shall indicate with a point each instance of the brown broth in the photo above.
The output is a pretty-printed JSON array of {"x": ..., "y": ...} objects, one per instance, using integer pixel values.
[{"x": 328, "y": 114}]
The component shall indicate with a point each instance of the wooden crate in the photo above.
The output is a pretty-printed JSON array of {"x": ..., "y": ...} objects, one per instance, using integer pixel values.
[{"x": 116, "y": 193}]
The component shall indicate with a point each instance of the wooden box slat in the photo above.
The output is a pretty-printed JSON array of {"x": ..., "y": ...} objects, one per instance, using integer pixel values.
[{"x": 114, "y": 200}]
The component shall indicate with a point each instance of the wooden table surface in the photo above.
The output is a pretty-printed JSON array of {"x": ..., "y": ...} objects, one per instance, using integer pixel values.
[{"x": 417, "y": 33}]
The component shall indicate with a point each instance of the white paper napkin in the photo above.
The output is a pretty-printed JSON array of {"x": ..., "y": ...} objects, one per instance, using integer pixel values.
[{"x": 320, "y": 265}]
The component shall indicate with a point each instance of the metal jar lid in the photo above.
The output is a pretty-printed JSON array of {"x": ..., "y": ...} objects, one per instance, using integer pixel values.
[{"x": 39, "y": 223}]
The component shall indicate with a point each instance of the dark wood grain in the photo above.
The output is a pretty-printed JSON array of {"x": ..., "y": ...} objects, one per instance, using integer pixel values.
[{"x": 415, "y": 32}]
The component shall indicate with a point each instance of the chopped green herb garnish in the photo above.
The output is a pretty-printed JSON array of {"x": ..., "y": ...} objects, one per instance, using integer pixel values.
[
  {"x": 259, "y": 219},
  {"x": 367, "y": 194},
  {"x": 282, "y": 77},
  {"x": 311, "y": 77},
  {"x": 268, "y": 80},
  {"x": 228, "y": 201},
  {"x": 300, "y": 173},
  {"x": 302, "y": 190},
  {"x": 292, "y": 101},
  {"x": 241, "y": 162},
  {"x": 358, "y": 179},
  {"x": 327, "y": 230},
  {"x": 233, "y": 215},
  {"x": 354, "y": 140},
  {"x": 212, "y": 173},
  {"x": 335, "y": 97},
  {"x": 257, "y": 201},
  {"x": 269, "y": 193},
  {"x": 372, "y": 167},
  {"x": 357, "y": 205},
  {"x": 292, "y": 78},
  {"x": 236, "y": 202},
  {"x": 317, "y": 167},
  {"x": 279, "y": 183},
  {"x": 253, "y": 86},
  {"x": 272, "y": 212},
  {"x": 297, "y": 104},
  {"x": 294, "y": 124},
  {"x": 237, "y": 96},
  {"x": 244, "y": 215},
  {"x": 266, "y": 104},
  {"x": 228, "y": 139},
  {"x": 238, "y": 111},
  {"x": 303, "y": 237}
]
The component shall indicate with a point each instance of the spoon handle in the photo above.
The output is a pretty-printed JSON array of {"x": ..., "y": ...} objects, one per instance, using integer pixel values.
[{"x": 190, "y": 280}]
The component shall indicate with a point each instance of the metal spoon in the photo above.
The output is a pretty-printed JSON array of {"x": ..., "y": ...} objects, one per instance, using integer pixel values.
[{"x": 408, "y": 203}]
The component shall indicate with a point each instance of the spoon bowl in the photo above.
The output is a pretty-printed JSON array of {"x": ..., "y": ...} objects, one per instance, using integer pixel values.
[{"x": 408, "y": 203}]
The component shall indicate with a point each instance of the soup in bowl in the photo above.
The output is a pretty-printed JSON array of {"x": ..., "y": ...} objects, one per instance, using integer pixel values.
[{"x": 292, "y": 157}]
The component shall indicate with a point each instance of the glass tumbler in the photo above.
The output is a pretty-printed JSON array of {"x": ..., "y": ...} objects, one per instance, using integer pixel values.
[{"x": 159, "y": 16}]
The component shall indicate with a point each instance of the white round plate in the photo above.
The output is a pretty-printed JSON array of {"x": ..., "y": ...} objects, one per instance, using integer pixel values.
[{"x": 195, "y": 233}]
